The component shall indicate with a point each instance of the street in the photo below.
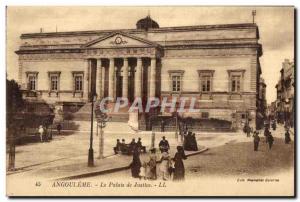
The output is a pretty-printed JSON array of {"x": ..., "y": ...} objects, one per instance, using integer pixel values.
[
  {"x": 228, "y": 154},
  {"x": 236, "y": 159}
]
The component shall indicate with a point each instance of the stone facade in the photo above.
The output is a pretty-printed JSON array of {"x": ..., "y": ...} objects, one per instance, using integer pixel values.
[
  {"x": 285, "y": 93},
  {"x": 217, "y": 64}
]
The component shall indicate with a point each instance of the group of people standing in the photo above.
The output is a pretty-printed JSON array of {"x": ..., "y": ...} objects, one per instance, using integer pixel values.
[
  {"x": 190, "y": 142},
  {"x": 169, "y": 168},
  {"x": 269, "y": 139}
]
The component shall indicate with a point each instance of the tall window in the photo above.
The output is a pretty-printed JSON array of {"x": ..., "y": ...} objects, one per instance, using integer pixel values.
[
  {"x": 235, "y": 83},
  {"x": 176, "y": 80},
  {"x": 176, "y": 84},
  {"x": 54, "y": 83},
  {"x": 206, "y": 80},
  {"x": 78, "y": 83},
  {"x": 32, "y": 82},
  {"x": 205, "y": 83},
  {"x": 54, "y": 80},
  {"x": 236, "y": 79}
]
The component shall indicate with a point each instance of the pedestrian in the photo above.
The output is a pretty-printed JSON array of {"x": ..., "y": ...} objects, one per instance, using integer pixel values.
[
  {"x": 135, "y": 164},
  {"x": 256, "y": 140},
  {"x": 45, "y": 138},
  {"x": 274, "y": 125},
  {"x": 140, "y": 146},
  {"x": 132, "y": 145},
  {"x": 248, "y": 130},
  {"x": 123, "y": 146},
  {"x": 194, "y": 145},
  {"x": 287, "y": 138},
  {"x": 117, "y": 148},
  {"x": 143, "y": 171},
  {"x": 41, "y": 132},
  {"x": 58, "y": 127},
  {"x": 266, "y": 133},
  {"x": 179, "y": 166},
  {"x": 164, "y": 145},
  {"x": 270, "y": 140},
  {"x": 152, "y": 165},
  {"x": 164, "y": 165}
]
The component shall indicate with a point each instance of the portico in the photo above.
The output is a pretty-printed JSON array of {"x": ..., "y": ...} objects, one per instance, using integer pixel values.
[
  {"x": 120, "y": 77},
  {"x": 120, "y": 65}
]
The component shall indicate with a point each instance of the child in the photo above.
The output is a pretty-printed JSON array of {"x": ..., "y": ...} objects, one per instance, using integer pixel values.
[{"x": 143, "y": 171}]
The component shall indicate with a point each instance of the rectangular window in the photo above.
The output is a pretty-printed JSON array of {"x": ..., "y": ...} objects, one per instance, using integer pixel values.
[
  {"x": 78, "y": 83},
  {"x": 206, "y": 83},
  {"x": 32, "y": 82},
  {"x": 235, "y": 83},
  {"x": 176, "y": 84},
  {"x": 54, "y": 83},
  {"x": 204, "y": 115}
]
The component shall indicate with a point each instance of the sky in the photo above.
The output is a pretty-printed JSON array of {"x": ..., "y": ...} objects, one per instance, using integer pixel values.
[{"x": 276, "y": 27}]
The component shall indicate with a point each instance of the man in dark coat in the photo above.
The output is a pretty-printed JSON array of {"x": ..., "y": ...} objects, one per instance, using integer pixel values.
[
  {"x": 58, "y": 127},
  {"x": 164, "y": 145},
  {"x": 270, "y": 140},
  {"x": 256, "y": 140},
  {"x": 140, "y": 145},
  {"x": 266, "y": 133},
  {"x": 287, "y": 138},
  {"x": 274, "y": 125},
  {"x": 136, "y": 163},
  {"x": 194, "y": 145},
  {"x": 132, "y": 145},
  {"x": 118, "y": 146}
]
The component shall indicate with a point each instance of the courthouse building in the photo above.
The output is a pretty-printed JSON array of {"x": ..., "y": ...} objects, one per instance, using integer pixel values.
[{"x": 217, "y": 64}]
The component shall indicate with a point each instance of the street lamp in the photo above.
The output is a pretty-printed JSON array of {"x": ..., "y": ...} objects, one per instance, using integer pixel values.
[
  {"x": 91, "y": 151},
  {"x": 176, "y": 122}
]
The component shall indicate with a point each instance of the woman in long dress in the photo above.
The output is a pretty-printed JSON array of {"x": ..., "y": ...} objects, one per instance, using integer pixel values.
[
  {"x": 136, "y": 164},
  {"x": 179, "y": 166},
  {"x": 165, "y": 165},
  {"x": 152, "y": 165}
]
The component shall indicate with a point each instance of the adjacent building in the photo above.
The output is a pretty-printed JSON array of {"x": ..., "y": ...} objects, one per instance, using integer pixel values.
[
  {"x": 261, "y": 104},
  {"x": 217, "y": 64},
  {"x": 285, "y": 93}
]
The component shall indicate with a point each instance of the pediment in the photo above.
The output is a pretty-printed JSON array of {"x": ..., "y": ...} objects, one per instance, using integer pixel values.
[{"x": 118, "y": 39}]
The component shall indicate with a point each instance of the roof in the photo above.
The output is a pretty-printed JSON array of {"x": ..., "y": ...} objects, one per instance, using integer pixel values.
[{"x": 151, "y": 30}]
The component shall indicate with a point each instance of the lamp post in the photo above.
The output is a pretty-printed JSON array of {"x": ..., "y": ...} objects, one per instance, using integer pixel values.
[
  {"x": 91, "y": 151},
  {"x": 12, "y": 149},
  {"x": 176, "y": 122}
]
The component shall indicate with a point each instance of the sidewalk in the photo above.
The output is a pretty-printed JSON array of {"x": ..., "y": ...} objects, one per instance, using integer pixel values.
[{"x": 74, "y": 168}]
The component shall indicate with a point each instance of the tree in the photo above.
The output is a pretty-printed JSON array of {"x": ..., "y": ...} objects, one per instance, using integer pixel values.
[{"x": 14, "y": 105}]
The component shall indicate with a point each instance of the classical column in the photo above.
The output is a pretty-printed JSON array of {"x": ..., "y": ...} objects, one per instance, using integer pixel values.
[
  {"x": 138, "y": 78},
  {"x": 152, "y": 77},
  {"x": 111, "y": 78},
  {"x": 86, "y": 80},
  {"x": 99, "y": 79},
  {"x": 125, "y": 79}
]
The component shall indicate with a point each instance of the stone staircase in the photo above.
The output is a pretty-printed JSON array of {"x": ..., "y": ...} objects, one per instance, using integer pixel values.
[{"x": 84, "y": 113}]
